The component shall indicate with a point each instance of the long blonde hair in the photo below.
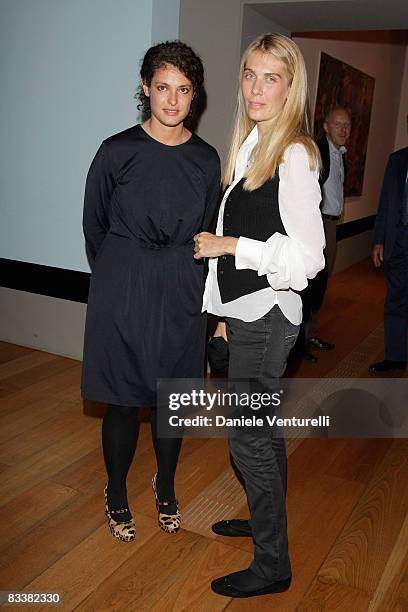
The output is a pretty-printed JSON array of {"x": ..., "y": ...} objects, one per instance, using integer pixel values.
[{"x": 290, "y": 125}]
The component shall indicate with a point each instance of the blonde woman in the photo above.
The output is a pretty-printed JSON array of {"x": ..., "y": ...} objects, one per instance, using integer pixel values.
[{"x": 269, "y": 241}]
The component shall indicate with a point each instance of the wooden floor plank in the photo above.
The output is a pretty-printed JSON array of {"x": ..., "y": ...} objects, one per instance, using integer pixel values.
[
  {"x": 163, "y": 577},
  {"x": 84, "y": 568},
  {"x": 30, "y": 508},
  {"x": 36, "y": 438},
  {"x": 33, "y": 414},
  {"x": 48, "y": 541},
  {"x": 193, "y": 592},
  {"x": 329, "y": 596},
  {"x": 84, "y": 474},
  {"x": 360, "y": 459},
  {"x": 41, "y": 465},
  {"x": 8, "y": 351},
  {"x": 391, "y": 594},
  {"x": 360, "y": 554},
  {"x": 40, "y": 372},
  {"x": 7, "y": 390},
  {"x": 62, "y": 385},
  {"x": 20, "y": 365},
  {"x": 347, "y": 499},
  {"x": 351, "y": 310}
]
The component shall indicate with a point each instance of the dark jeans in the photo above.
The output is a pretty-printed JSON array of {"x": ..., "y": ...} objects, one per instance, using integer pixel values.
[
  {"x": 258, "y": 351},
  {"x": 396, "y": 302}
]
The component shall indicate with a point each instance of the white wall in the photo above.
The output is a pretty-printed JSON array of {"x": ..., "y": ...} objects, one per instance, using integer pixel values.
[
  {"x": 213, "y": 29},
  {"x": 165, "y": 20},
  {"x": 69, "y": 70},
  {"x": 254, "y": 24},
  {"x": 41, "y": 322}
]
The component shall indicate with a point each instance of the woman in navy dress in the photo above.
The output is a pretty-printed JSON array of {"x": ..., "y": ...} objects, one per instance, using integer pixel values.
[{"x": 149, "y": 190}]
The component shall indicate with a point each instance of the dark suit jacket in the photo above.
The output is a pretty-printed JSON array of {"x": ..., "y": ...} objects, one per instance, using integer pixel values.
[
  {"x": 312, "y": 296},
  {"x": 389, "y": 209},
  {"x": 323, "y": 145}
]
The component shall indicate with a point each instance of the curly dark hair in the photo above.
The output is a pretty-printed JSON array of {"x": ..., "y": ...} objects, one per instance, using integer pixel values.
[{"x": 180, "y": 56}]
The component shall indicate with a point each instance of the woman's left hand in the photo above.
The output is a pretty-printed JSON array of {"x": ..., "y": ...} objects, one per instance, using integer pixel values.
[{"x": 209, "y": 245}]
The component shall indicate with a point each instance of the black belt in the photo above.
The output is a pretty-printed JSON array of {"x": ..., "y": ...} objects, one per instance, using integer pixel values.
[{"x": 331, "y": 217}]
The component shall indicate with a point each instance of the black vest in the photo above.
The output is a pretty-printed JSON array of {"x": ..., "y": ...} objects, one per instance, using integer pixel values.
[{"x": 253, "y": 214}]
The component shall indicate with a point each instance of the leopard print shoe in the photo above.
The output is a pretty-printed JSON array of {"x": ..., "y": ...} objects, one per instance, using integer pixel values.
[
  {"x": 122, "y": 530},
  {"x": 170, "y": 523}
]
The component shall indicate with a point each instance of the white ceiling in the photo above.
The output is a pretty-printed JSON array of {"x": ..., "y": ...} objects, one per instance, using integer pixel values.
[{"x": 336, "y": 15}]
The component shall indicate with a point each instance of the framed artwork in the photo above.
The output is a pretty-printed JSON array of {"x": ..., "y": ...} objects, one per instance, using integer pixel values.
[{"x": 341, "y": 84}]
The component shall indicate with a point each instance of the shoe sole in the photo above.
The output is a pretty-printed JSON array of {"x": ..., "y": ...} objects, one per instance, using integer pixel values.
[
  {"x": 386, "y": 371},
  {"x": 323, "y": 348},
  {"x": 232, "y": 535}
]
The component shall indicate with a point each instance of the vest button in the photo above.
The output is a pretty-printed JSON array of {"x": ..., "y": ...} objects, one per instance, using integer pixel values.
[{"x": 221, "y": 272}]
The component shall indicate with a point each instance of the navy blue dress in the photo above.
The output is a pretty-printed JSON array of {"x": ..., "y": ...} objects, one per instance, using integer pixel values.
[{"x": 144, "y": 202}]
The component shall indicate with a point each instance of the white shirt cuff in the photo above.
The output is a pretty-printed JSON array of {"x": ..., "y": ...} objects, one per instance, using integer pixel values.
[{"x": 248, "y": 254}]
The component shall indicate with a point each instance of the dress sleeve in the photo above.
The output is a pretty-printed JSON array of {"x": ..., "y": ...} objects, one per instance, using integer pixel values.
[
  {"x": 213, "y": 193},
  {"x": 288, "y": 261},
  {"x": 100, "y": 184}
]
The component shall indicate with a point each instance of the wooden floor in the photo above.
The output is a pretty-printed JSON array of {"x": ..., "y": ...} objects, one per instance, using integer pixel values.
[{"x": 347, "y": 499}]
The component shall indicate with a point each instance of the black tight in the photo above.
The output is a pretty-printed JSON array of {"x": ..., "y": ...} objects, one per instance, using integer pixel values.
[
  {"x": 119, "y": 436},
  {"x": 120, "y": 428},
  {"x": 167, "y": 452}
]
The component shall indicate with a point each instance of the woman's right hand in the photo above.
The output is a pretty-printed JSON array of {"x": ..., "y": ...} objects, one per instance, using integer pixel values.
[{"x": 210, "y": 245}]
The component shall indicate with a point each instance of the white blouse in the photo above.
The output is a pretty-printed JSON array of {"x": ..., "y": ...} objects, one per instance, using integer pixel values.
[{"x": 288, "y": 261}]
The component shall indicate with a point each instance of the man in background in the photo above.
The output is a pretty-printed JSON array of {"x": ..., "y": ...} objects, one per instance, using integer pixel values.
[
  {"x": 391, "y": 247},
  {"x": 337, "y": 124}
]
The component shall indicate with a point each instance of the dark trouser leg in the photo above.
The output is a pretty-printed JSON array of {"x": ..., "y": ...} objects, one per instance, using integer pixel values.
[
  {"x": 261, "y": 460},
  {"x": 259, "y": 350},
  {"x": 167, "y": 453},
  {"x": 330, "y": 232},
  {"x": 396, "y": 302},
  {"x": 317, "y": 289},
  {"x": 119, "y": 436},
  {"x": 313, "y": 295}
]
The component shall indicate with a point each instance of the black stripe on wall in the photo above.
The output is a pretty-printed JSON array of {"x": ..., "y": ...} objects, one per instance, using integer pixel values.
[
  {"x": 44, "y": 280},
  {"x": 353, "y": 228},
  {"x": 73, "y": 285}
]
